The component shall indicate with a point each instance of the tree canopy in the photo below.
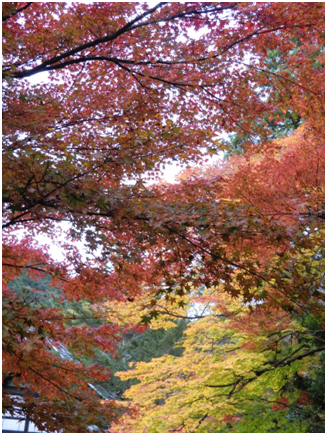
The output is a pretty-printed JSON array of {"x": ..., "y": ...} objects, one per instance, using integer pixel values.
[
  {"x": 252, "y": 359},
  {"x": 97, "y": 98}
]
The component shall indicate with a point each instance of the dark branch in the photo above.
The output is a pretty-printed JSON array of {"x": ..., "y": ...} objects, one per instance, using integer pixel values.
[
  {"x": 6, "y": 17},
  {"x": 241, "y": 382},
  {"x": 44, "y": 65}
]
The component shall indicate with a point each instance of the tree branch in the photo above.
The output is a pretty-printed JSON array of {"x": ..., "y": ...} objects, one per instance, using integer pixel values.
[
  {"x": 6, "y": 17},
  {"x": 241, "y": 382},
  {"x": 44, "y": 65}
]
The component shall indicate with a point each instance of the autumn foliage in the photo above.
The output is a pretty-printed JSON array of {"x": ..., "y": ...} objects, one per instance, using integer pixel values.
[
  {"x": 260, "y": 240},
  {"x": 97, "y": 99}
]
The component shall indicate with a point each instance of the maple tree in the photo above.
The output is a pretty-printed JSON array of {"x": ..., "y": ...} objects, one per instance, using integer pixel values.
[
  {"x": 143, "y": 345},
  {"x": 247, "y": 367},
  {"x": 230, "y": 379},
  {"x": 123, "y": 88}
]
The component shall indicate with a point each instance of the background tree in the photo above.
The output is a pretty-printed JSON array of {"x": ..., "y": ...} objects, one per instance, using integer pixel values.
[
  {"x": 228, "y": 380},
  {"x": 141, "y": 344}
]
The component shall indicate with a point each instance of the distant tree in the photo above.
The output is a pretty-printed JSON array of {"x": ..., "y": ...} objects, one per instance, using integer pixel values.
[{"x": 134, "y": 346}]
